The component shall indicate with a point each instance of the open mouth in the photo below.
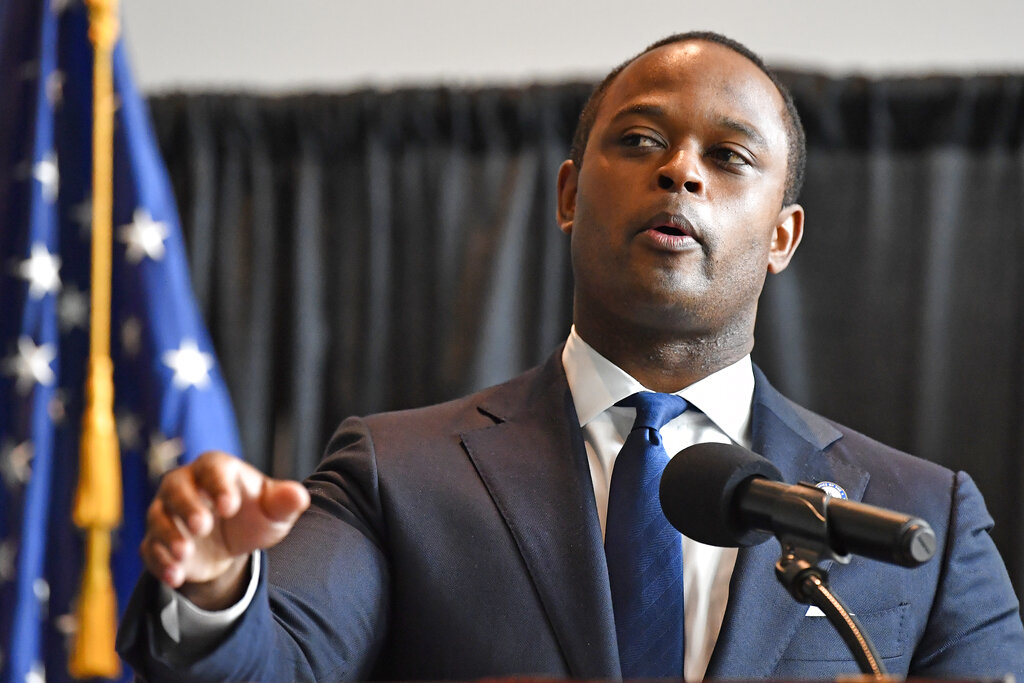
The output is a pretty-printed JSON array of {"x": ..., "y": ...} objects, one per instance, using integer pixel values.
[{"x": 671, "y": 226}]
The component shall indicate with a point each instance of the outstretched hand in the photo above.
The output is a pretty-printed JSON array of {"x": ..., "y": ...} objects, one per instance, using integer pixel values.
[{"x": 206, "y": 520}]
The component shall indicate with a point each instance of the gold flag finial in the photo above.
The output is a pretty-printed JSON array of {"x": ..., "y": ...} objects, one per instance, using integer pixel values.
[{"x": 98, "y": 497}]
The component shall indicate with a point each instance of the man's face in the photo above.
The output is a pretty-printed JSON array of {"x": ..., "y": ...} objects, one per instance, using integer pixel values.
[{"x": 675, "y": 214}]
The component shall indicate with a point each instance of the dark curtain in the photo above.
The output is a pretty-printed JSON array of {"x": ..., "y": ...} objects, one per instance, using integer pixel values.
[{"x": 378, "y": 250}]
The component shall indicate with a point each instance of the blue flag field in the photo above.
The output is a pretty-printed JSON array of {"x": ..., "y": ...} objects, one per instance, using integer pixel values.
[{"x": 170, "y": 400}]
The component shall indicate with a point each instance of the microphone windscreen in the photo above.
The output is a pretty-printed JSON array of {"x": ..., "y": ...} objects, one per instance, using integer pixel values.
[{"x": 698, "y": 488}]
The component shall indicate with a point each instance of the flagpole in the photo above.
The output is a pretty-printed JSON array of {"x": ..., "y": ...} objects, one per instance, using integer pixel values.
[{"x": 98, "y": 501}]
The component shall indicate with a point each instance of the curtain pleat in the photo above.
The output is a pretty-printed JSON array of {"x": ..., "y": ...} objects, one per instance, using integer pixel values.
[
  {"x": 255, "y": 389},
  {"x": 368, "y": 251}
]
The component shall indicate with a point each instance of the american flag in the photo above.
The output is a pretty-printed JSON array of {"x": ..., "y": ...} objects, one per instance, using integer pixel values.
[{"x": 170, "y": 400}]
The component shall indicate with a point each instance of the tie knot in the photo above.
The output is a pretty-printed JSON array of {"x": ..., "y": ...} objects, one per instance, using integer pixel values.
[{"x": 654, "y": 410}]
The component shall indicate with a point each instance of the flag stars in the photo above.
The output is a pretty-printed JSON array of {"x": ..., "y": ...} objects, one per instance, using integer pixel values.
[
  {"x": 16, "y": 464},
  {"x": 55, "y": 87},
  {"x": 57, "y": 408},
  {"x": 37, "y": 674},
  {"x": 42, "y": 271},
  {"x": 191, "y": 366},
  {"x": 81, "y": 215},
  {"x": 58, "y": 7},
  {"x": 73, "y": 309},
  {"x": 131, "y": 336},
  {"x": 46, "y": 172},
  {"x": 143, "y": 237},
  {"x": 129, "y": 431},
  {"x": 28, "y": 70},
  {"x": 31, "y": 364},
  {"x": 8, "y": 555},
  {"x": 41, "y": 589},
  {"x": 67, "y": 626},
  {"x": 163, "y": 455}
]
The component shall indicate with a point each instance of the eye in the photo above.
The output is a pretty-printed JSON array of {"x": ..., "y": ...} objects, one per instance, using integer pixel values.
[
  {"x": 729, "y": 157},
  {"x": 641, "y": 140}
]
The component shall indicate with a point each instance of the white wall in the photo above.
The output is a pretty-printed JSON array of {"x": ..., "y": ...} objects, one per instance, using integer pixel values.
[{"x": 340, "y": 44}]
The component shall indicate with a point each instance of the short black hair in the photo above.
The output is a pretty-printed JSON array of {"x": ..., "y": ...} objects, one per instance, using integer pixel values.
[{"x": 796, "y": 154}]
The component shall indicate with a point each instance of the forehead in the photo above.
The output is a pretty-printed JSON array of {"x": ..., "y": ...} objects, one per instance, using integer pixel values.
[{"x": 698, "y": 78}]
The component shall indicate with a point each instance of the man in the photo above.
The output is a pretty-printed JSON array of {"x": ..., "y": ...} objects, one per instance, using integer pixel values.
[{"x": 466, "y": 540}]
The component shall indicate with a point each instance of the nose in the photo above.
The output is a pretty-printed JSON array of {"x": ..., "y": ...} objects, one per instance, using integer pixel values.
[{"x": 681, "y": 173}]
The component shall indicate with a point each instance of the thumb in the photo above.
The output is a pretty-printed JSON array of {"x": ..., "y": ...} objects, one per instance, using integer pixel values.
[{"x": 283, "y": 501}]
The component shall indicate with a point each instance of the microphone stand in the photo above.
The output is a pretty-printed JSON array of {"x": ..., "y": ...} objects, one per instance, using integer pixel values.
[
  {"x": 798, "y": 572},
  {"x": 808, "y": 584}
]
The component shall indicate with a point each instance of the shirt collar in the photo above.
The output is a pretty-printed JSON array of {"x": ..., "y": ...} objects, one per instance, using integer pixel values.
[{"x": 597, "y": 384}]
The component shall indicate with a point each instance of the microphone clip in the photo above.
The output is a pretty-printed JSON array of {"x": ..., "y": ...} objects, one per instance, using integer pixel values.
[
  {"x": 795, "y": 569},
  {"x": 802, "y": 525}
]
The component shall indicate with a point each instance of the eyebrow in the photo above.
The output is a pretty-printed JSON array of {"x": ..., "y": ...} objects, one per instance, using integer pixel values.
[
  {"x": 651, "y": 110},
  {"x": 656, "y": 111},
  {"x": 743, "y": 129}
]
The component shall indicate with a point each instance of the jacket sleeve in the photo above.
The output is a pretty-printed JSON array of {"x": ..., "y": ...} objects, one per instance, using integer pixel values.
[
  {"x": 320, "y": 609},
  {"x": 974, "y": 629}
]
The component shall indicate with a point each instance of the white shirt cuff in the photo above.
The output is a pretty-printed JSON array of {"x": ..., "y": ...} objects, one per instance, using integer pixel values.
[{"x": 184, "y": 621}]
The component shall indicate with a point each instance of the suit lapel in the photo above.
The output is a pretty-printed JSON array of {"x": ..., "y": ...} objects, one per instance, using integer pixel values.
[
  {"x": 534, "y": 465},
  {"x": 761, "y": 617}
]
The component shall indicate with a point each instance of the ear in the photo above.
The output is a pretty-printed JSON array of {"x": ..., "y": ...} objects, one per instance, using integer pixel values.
[
  {"x": 568, "y": 176},
  {"x": 789, "y": 230}
]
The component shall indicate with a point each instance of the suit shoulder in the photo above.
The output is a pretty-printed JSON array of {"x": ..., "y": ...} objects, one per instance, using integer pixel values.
[
  {"x": 882, "y": 458},
  {"x": 850, "y": 445},
  {"x": 893, "y": 477},
  {"x": 445, "y": 421},
  {"x": 897, "y": 478}
]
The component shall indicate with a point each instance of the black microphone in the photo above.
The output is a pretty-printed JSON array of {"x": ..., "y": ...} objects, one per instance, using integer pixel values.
[{"x": 725, "y": 495}]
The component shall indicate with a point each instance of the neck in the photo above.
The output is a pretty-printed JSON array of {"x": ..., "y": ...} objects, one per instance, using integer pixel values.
[{"x": 667, "y": 361}]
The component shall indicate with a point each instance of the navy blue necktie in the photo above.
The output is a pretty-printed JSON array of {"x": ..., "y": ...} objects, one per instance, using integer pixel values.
[{"x": 644, "y": 551}]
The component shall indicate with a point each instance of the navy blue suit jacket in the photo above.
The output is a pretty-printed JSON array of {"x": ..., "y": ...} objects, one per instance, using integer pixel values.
[{"x": 462, "y": 541}]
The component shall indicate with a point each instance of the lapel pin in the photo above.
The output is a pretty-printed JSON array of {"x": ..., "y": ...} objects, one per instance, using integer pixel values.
[{"x": 832, "y": 489}]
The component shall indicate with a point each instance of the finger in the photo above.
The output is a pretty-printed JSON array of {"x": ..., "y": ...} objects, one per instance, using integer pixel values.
[
  {"x": 169, "y": 532},
  {"x": 227, "y": 480},
  {"x": 181, "y": 499},
  {"x": 283, "y": 501},
  {"x": 160, "y": 563}
]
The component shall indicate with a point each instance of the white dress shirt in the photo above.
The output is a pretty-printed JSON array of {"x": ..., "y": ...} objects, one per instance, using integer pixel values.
[{"x": 723, "y": 401}]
